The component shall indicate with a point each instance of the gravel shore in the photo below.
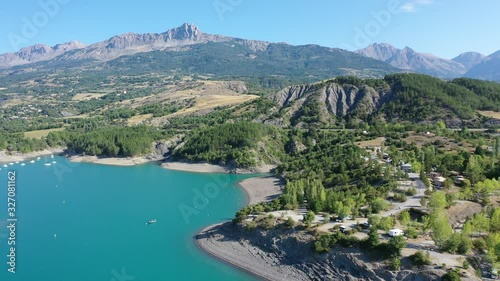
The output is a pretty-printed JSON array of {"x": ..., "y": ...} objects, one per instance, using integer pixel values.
[
  {"x": 262, "y": 189},
  {"x": 113, "y": 161},
  {"x": 223, "y": 243},
  {"x": 211, "y": 168},
  {"x": 4, "y": 158}
]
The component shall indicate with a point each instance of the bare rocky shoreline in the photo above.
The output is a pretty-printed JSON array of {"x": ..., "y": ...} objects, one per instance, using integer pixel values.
[
  {"x": 14, "y": 157},
  {"x": 286, "y": 255}
]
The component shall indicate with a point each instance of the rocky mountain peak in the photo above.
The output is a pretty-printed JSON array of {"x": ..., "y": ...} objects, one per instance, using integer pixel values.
[
  {"x": 409, "y": 59},
  {"x": 379, "y": 51},
  {"x": 470, "y": 59},
  {"x": 495, "y": 55},
  {"x": 72, "y": 45},
  {"x": 186, "y": 31},
  {"x": 36, "y": 49}
]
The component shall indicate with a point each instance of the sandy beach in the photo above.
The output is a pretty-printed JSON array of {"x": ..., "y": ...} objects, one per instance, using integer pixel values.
[
  {"x": 16, "y": 156},
  {"x": 113, "y": 161}
]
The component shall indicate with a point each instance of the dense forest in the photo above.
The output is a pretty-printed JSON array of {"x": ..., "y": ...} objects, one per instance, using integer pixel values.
[
  {"x": 115, "y": 141},
  {"x": 418, "y": 97},
  {"x": 244, "y": 144}
]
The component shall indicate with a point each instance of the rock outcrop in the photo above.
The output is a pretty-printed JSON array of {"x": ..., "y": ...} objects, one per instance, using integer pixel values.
[{"x": 332, "y": 98}]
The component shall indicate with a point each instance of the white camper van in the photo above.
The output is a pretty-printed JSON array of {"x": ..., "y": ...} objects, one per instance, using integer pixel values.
[{"x": 395, "y": 232}]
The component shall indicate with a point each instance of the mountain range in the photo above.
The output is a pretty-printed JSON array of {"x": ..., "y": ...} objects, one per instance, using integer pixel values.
[
  {"x": 187, "y": 49},
  {"x": 470, "y": 64}
]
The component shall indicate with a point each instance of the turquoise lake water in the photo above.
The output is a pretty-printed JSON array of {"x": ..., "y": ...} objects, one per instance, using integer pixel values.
[{"x": 86, "y": 222}]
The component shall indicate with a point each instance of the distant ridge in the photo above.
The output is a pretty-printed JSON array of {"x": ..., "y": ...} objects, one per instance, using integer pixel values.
[
  {"x": 188, "y": 50},
  {"x": 411, "y": 60},
  {"x": 470, "y": 59},
  {"x": 488, "y": 69},
  {"x": 38, "y": 52},
  {"x": 119, "y": 45}
]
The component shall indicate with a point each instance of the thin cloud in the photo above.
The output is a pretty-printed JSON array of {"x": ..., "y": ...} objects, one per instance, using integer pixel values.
[{"x": 412, "y": 5}]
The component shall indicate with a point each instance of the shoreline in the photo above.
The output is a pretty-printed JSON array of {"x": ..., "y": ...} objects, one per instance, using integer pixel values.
[
  {"x": 205, "y": 249},
  {"x": 111, "y": 161},
  {"x": 212, "y": 168},
  {"x": 4, "y": 158},
  {"x": 254, "y": 194},
  {"x": 262, "y": 189},
  {"x": 221, "y": 241}
]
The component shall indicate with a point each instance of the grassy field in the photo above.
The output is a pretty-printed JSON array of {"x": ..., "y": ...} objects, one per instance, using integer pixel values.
[
  {"x": 139, "y": 119},
  {"x": 213, "y": 101},
  {"x": 87, "y": 96},
  {"x": 491, "y": 114},
  {"x": 445, "y": 144},
  {"x": 371, "y": 143},
  {"x": 41, "y": 133}
]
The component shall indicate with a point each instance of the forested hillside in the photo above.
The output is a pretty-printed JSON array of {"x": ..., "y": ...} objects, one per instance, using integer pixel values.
[
  {"x": 241, "y": 144},
  {"x": 109, "y": 140},
  {"x": 396, "y": 98}
]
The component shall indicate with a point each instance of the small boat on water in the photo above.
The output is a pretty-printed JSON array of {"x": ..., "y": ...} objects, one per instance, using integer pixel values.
[
  {"x": 11, "y": 163},
  {"x": 5, "y": 165},
  {"x": 22, "y": 164},
  {"x": 52, "y": 156},
  {"x": 32, "y": 161},
  {"x": 47, "y": 164},
  {"x": 17, "y": 162},
  {"x": 53, "y": 162},
  {"x": 153, "y": 221},
  {"x": 38, "y": 158}
]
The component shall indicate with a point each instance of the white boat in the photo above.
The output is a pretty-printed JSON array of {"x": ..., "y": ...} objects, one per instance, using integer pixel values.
[
  {"x": 17, "y": 162},
  {"x": 11, "y": 163},
  {"x": 153, "y": 221},
  {"x": 53, "y": 162},
  {"x": 5, "y": 165},
  {"x": 52, "y": 156},
  {"x": 22, "y": 164},
  {"x": 32, "y": 161},
  {"x": 38, "y": 158},
  {"x": 47, "y": 164}
]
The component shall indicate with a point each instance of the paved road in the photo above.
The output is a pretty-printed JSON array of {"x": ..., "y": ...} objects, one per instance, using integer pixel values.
[{"x": 412, "y": 202}]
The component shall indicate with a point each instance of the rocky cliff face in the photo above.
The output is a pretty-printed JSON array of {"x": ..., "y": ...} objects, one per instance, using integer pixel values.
[{"x": 333, "y": 99}]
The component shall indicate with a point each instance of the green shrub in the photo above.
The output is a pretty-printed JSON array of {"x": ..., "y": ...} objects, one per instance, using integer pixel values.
[
  {"x": 451, "y": 276},
  {"x": 290, "y": 223},
  {"x": 420, "y": 258}
]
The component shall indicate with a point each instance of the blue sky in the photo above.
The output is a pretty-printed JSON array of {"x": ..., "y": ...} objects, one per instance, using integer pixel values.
[{"x": 443, "y": 27}]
